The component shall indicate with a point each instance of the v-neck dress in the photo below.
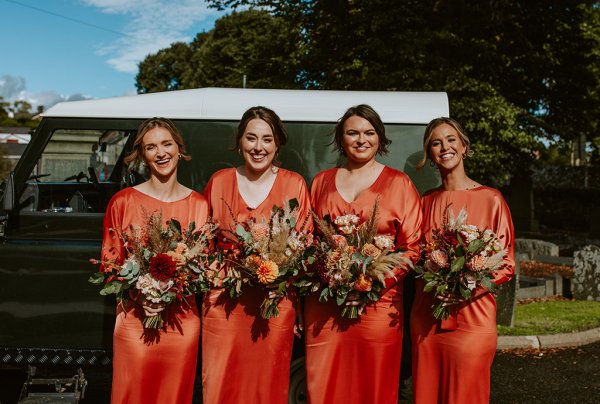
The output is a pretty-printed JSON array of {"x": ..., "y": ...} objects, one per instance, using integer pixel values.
[
  {"x": 152, "y": 366},
  {"x": 246, "y": 358},
  {"x": 452, "y": 359},
  {"x": 358, "y": 360}
]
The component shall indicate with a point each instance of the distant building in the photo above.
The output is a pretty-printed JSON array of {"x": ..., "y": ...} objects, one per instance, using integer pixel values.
[{"x": 13, "y": 141}]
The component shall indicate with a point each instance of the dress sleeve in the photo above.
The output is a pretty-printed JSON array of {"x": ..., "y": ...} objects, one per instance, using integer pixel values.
[
  {"x": 504, "y": 229},
  {"x": 112, "y": 244},
  {"x": 408, "y": 229}
]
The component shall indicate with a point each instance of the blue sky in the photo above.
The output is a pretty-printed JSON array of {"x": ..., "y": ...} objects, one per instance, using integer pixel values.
[{"x": 56, "y": 50}]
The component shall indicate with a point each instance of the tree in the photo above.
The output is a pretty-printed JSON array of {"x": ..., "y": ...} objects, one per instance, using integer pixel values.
[
  {"x": 250, "y": 43},
  {"x": 164, "y": 70}
]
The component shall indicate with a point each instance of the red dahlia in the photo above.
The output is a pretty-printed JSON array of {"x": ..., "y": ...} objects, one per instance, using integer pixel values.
[{"x": 162, "y": 267}]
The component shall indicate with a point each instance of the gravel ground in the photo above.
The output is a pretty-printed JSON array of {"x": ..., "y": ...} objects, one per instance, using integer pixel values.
[
  {"x": 518, "y": 377},
  {"x": 548, "y": 376}
]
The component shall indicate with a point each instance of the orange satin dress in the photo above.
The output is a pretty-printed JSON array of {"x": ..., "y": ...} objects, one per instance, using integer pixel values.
[
  {"x": 152, "y": 366},
  {"x": 358, "y": 360},
  {"x": 451, "y": 359},
  {"x": 246, "y": 358}
]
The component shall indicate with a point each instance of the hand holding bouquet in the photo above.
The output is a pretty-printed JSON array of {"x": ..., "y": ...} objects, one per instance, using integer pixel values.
[
  {"x": 353, "y": 261},
  {"x": 162, "y": 264},
  {"x": 269, "y": 253},
  {"x": 459, "y": 259}
]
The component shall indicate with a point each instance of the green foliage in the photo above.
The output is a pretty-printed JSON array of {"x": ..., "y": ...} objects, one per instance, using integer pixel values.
[
  {"x": 250, "y": 43},
  {"x": 515, "y": 72}
]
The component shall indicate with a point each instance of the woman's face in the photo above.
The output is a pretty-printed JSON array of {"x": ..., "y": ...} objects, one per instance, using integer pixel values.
[
  {"x": 160, "y": 152},
  {"x": 446, "y": 148},
  {"x": 360, "y": 141},
  {"x": 257, "y": 146}
]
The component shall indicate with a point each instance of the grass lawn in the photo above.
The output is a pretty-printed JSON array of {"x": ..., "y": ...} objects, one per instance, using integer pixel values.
[{"x": 553, "y": 316}]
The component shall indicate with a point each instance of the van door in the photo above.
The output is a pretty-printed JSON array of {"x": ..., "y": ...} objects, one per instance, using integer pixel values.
[{"x": 62, "y": 185}]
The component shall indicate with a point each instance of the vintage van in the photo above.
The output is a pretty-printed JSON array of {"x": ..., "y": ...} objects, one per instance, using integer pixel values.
[{"x": 53, "y": 202}]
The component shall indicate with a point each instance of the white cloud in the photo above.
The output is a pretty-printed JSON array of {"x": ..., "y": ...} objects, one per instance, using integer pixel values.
[
  {"x": 13, "y": 88},
  {"x": 154, "y": 24}
]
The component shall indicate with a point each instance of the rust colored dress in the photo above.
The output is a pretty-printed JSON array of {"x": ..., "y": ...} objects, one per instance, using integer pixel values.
[
  {"x": 246, "y": 358},
  {"x": 358, "y": 360},
  {"x": 451, "y": 359},
  {"x": 152, "y": 366}
]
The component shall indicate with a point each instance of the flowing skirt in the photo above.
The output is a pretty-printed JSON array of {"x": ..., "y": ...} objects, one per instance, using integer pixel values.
[
  {"x": 354, "y": 360},
  {"x": 155, "y": 366},
  {"x": 452, "y": 365},
  {"x": 245, "y": 358}
]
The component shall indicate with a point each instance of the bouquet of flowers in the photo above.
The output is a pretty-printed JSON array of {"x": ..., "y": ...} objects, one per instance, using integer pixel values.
[
  {"x": 352, "y": 258},
  {"x": 267, "y": 252},
  {"x": 458, "y": 259},
  {"x": 162, "y": 264}
]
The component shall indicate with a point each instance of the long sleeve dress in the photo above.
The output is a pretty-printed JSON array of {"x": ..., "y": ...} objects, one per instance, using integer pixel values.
[
  {"x": 152, "y": 366},
  {"x": 246, "y": 358},
  {"x": 451, "y": 359},
  {"x": 358, "y": 360}
]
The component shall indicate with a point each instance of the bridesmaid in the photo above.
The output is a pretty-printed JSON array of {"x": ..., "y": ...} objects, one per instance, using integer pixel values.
[
  {"x": 451, "y": 359},
  {"x": 358, "y": 361},
  {"x": 246, "y": 358},
  {"x": 154, "y": 366}
]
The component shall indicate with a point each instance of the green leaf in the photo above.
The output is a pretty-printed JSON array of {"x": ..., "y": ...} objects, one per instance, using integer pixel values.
[
  {"x": 458, "y": 264},
  {"x": 97, "y": 278},
  {"x": 340, "y": 297},
  {"x": 324, "y": 295},
  {"x": 175, "y": 226},
  {"x": 475, "y": 246}
]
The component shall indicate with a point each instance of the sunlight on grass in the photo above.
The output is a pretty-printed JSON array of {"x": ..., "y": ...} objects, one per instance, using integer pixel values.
[{"x": 553, "y": 317}]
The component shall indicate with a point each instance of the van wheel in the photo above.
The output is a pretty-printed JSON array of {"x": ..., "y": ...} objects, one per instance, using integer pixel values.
[{"x": 297, "y": 394}]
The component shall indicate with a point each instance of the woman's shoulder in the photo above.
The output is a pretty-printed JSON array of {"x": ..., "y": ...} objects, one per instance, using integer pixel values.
[
  {"x": 321, "y": 175},
  {"x": 289, "y": 175},
  {"x": 224, "y": 173},
  {"x": 124, "y": 195}
]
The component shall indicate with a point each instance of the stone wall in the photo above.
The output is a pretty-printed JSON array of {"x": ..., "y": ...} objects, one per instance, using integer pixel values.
[{"x": 586, "y": 273}]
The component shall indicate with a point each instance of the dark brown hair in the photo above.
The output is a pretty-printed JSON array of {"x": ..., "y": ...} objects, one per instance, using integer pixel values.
[
  {"x": 146, "y": 126},
  {"x": 429, "y": 132},
  {"x": 267, "y": 115},
  {"x": 367, "y": 112}
]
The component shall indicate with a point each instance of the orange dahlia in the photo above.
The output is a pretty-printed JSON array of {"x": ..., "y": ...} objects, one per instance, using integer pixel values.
[
  {"x": 267, "y": 272},
  {"x": 363, "y": 283}
]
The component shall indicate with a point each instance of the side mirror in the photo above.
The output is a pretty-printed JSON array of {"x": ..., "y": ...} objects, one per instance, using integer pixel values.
[{"x": 9, "y": 193}]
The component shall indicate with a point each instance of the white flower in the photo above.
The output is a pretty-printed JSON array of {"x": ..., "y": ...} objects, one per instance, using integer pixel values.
[
  {"x": 383, "y": 242},
  {"x": 347, "y": 223}
]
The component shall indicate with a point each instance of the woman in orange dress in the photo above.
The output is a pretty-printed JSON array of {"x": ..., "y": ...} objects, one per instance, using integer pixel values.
[
  {"x": 246, "y": 358},
  {"x": 452, "y": 358},
  {"x": 154, "y": 366},
  {"x": 358, "y": 360}
]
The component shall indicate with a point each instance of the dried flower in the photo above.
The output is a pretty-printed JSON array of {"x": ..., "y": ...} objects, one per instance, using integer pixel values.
[
  {"x": 370, "y": 250},
  {"x": 439, "y": 258},
  {"x": 340, "y": 241}
]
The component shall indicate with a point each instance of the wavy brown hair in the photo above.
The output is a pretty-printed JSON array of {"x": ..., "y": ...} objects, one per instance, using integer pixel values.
[{"x": 146, "y": 126}]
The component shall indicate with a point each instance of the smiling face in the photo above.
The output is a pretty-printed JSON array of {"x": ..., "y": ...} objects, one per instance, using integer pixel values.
[
  {"x": 257, "y": 146},
  {"x": 360, "y": 141},
  {"x": 446, "y": 148},
  {"x": 160, "y": 152}
]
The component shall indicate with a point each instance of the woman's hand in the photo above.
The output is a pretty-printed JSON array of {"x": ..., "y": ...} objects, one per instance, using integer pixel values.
[
  {"x": 352, "y": 298},
  {"x": 299, "y": 326},
  {"x": 273, "y": 291},
  {"x": 152, "y": 309},
  {"x": 450, "y": 299}
]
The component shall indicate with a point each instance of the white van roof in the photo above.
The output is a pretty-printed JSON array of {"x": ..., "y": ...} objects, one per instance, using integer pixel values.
[{"x": 290, "y": 105}]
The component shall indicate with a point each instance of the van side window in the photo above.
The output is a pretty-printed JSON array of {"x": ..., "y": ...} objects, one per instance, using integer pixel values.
[{"x": 77, "y": 172}]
